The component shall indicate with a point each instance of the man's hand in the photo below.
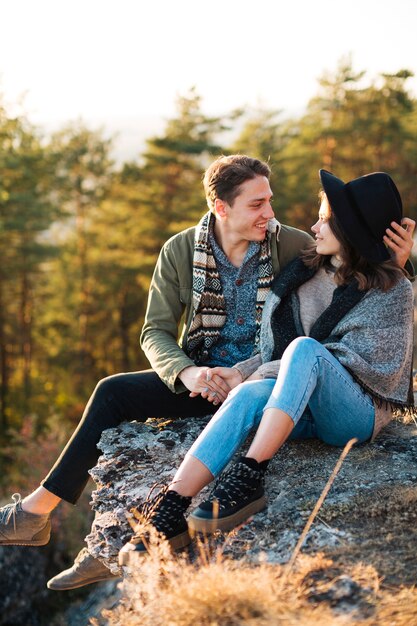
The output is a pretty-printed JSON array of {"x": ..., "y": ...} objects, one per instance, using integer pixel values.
[
  {"x": 400, "y": 240},
  {"x": 201, "y": 381}
]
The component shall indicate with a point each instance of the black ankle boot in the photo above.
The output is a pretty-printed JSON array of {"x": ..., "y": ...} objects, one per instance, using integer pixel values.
[
  {"x": 238, "y": 494},
  {"x": 165, "y": 513}
]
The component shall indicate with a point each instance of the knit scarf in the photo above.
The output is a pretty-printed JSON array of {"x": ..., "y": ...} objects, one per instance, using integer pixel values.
[{"x": 209, "y": 306}]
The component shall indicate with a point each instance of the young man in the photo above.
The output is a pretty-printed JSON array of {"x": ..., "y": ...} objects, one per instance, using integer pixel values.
[{"x": 214, "y": 278}]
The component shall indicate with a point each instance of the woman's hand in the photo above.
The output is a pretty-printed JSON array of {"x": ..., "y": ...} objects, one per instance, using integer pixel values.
[
  {"x": 230, "y": 375},
  {"x": 400, "y": 240},
  {"x": 223, "y": 378}
]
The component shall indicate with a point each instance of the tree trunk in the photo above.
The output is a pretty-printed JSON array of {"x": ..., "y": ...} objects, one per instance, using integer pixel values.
[
  {"x": 83, "y": 322},
  {"x": 124, "y": 332},
  {"x": 26, "y": 346},
  {"x": 4, "y": 382}
]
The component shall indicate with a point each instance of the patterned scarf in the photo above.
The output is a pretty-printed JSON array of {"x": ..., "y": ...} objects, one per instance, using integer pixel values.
[{"x": 208, "y": 300}]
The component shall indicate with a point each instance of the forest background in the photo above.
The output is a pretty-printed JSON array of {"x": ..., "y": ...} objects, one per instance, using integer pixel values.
[{"x": 79, "y": 234}]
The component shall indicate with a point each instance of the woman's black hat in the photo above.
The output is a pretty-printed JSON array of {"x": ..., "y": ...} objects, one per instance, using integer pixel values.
[{"x": 364, "y": 208}]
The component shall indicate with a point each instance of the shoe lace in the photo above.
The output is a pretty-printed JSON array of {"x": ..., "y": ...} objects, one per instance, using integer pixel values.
[
  {"x": 81, "y": 556},
  {"x": 8, "y": 511},
  {"x": 162, "y": 513},
  {"x": 236, "y": 484},
  {"x": 144, "y": 512}
]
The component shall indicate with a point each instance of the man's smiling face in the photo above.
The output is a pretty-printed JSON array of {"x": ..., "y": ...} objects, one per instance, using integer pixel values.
[{"x": 247, "y": 217}]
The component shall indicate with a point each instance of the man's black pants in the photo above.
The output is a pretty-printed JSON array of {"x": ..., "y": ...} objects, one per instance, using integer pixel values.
[{"x": 116, "y": 399}]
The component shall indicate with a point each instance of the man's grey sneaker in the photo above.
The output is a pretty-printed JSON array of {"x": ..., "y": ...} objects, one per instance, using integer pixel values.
[
  {"x": 85, "y": 571},
  {"x": 19, "y": 528},
  {"x": 238, "y": 494},
  {"x": 165, "y": 513}
]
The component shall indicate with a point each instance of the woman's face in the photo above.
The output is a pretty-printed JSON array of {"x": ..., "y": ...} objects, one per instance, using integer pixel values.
[{"x": 326, "y": 242}]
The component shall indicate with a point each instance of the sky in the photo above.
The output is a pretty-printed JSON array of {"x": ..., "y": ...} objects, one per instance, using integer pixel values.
[{"x": 120, "y": 64}]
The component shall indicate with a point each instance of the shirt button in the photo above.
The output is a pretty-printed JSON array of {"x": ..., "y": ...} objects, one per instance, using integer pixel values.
[
  {"x": 240, "y": 321},
  {"x": 223, "y": 353},
  {"x": 238, "y": 282}
]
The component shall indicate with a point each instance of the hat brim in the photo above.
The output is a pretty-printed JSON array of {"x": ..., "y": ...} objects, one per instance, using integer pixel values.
[{"x": 349, "y": 219}]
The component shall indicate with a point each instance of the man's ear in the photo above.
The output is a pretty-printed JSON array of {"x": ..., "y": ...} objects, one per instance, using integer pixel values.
[{"x": 220, "y": 207}]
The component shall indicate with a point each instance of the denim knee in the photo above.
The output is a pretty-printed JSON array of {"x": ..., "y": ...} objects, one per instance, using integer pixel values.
[{"x": 303, "y": 347}]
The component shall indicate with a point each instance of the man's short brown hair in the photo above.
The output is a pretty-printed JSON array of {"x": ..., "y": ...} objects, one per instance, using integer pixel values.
[{"x": 224, "y": 176}]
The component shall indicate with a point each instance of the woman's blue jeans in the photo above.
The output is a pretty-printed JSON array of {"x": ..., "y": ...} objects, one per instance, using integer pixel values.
[{"x": 312, "y": 387}]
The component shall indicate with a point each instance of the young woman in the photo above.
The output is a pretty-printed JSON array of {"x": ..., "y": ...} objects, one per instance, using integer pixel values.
[{"x": 335, "y": 359}]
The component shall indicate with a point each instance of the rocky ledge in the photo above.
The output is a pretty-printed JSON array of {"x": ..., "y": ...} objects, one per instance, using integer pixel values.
[{"x": 369, "y": 515}]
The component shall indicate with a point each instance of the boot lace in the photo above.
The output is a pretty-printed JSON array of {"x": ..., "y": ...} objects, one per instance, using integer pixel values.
[
  {"x": 161, "y": 510},
  {"x": 236, "y": 485},
  {"x": 9, "y": 511}
]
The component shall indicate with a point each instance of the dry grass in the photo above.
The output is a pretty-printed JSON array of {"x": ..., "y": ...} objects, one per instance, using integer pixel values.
[
  {"x": 396, "y": 609},
  {"x": 170, "y": 591}
]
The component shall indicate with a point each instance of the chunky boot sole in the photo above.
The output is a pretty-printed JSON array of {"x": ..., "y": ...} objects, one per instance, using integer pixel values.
[
  {"x": 40, "y": 539},
  {"x": 210, "y": 525},
  {"x": 130, "y": 557}
]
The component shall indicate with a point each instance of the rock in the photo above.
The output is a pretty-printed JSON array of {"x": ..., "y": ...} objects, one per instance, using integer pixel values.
[
  {"x": 135, "y": 457},
  {"x": 369, "y": 515}
]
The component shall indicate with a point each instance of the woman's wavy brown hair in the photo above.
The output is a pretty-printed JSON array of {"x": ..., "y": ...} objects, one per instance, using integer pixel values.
[{"x": 354, "y": 266}]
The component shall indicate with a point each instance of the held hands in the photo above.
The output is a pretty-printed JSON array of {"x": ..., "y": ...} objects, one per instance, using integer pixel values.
[
  {"x": 208, "y": 383},
  {"x": 231, "y": 376},
  {"x": 400, "y": 240}
]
